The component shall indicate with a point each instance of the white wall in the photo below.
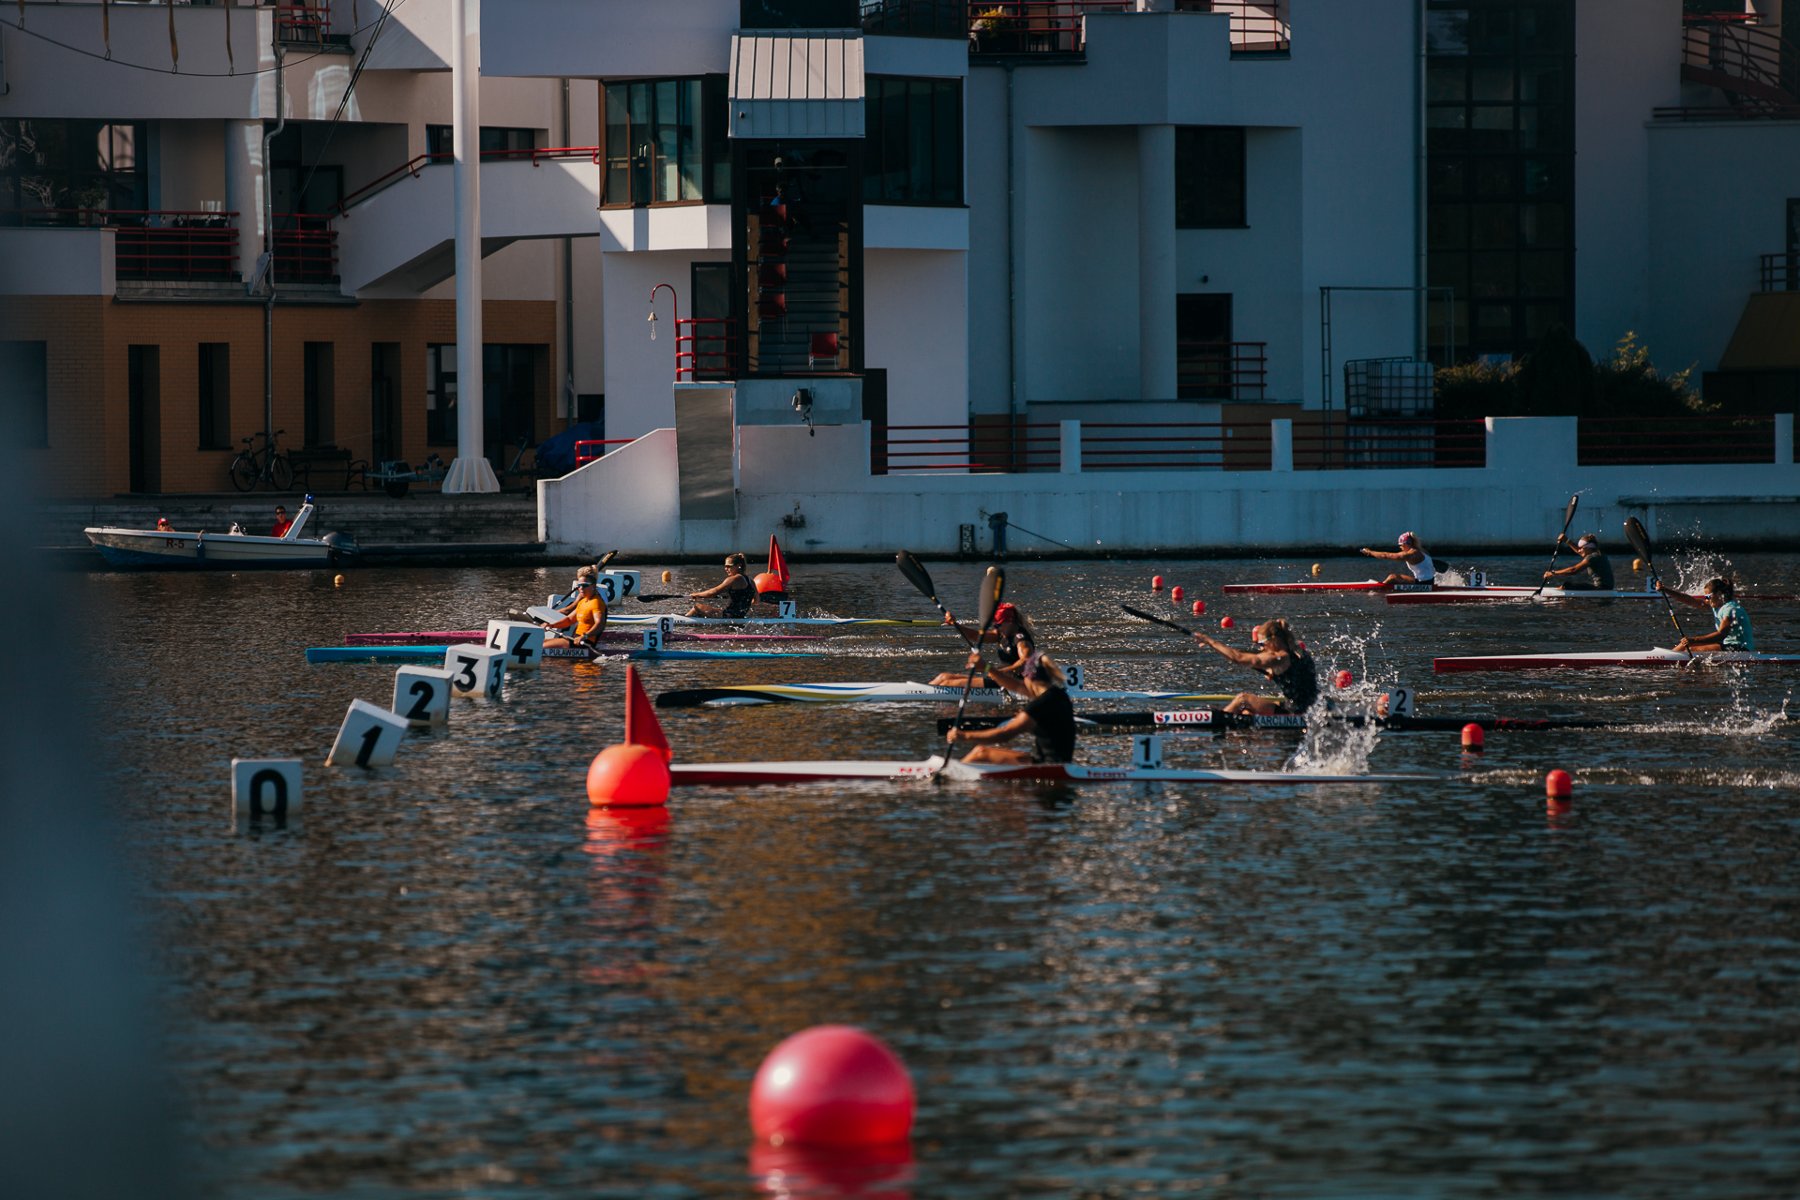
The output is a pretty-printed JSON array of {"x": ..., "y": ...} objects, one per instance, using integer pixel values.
[
  {"x": 57, "y": 262},
  {"x": 640, "y": 373},
  {"x": 607, "y": 38},
  {"x": 915, "y": 326}
]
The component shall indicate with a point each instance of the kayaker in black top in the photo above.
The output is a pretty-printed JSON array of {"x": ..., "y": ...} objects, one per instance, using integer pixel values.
[
  {"x": 1282, "y": 660},
  {"x": 738, "y": 591},
  {"x": 1047, "y": 716},
  {"x": 1012, "y": 633},
  {"x": 1593, "y": 573}
]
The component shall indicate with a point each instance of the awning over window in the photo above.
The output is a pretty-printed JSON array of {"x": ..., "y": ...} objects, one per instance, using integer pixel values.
[{"x": 797, "y": 85}]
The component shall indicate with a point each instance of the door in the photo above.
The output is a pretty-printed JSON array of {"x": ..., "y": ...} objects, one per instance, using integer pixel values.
[
  {"x": 384, "y": 385},
  {"x": 1203, "y": 355},
  {"x": 143, "y": 415},
  {"x": 710, "y": 286}
]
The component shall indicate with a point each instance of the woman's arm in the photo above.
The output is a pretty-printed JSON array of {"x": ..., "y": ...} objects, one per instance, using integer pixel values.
[
  {"x": 713, "y": 591},
  {"x": 1020, "y": 723},
  {"x": 1261, "y": 660},
  {"x": 1387, "y": 554},
  {"x": 1671, "y": 593}
]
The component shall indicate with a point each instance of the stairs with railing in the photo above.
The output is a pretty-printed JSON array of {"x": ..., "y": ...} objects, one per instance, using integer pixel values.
[{"x": 1753, "y": 66}]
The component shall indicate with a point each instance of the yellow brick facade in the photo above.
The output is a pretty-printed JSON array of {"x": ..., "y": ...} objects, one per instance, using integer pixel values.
[{"x": 88, "y": 341}]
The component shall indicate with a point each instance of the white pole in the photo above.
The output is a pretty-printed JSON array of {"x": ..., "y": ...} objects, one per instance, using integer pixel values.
[{"x": 471, "y": 471}]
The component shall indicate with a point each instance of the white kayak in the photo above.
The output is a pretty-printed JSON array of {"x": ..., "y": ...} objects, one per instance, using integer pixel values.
[
  {"x": 1322, "y": 585},
  {"x": 735, "y": 774},
  {"x": 1516, "y": 595},
  {"x": 1659, "y": 657},
  {"x": 890, "y": 693}
]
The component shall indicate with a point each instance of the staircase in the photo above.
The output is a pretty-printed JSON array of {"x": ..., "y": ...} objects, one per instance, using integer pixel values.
[
  {"x": 1756, "y": 69},
  {"x": 799, "y": 272}
]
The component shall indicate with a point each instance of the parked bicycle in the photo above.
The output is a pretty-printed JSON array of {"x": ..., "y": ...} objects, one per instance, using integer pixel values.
[{"x": 267, "y": 464}]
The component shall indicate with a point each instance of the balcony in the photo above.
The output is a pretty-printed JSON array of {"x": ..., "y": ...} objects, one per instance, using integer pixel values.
[
  {"x": 1754, "y": 68},
  {"x": 1058, "y": 28}
]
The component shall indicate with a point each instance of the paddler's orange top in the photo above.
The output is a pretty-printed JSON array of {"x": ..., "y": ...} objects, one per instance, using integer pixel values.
[{"x": 589, "y": 614}]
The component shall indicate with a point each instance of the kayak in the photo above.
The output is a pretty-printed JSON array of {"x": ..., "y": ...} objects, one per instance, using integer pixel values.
[
  {"x": 818, "y": 622},
  {"x": 889, "y": 693},
  {"x": 1360, "y": 585},
  {"x": 435, "y": 653},
  {"x": 1659, "y": 657},
  {"x": 734, "y": 774},
  {"x": 1216, "y": 720},
  {"x": 1515, "y": 595},
  {"x": 460, "y": 637}
]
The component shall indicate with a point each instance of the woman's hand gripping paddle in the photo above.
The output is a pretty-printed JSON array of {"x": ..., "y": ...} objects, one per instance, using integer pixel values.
[
  {"x": 993, "y": 584},
  {"x": 1640, "y": 542},
  {"x": 919, "y": 577},
  {"x": 1560, "y": 538}
]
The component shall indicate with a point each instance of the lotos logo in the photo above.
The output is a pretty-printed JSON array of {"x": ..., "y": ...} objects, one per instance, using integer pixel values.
[{"x": 1184, "y": 717}]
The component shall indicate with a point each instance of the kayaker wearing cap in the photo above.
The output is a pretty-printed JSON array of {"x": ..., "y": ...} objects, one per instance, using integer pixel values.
[
  {"x": 587, "y": 615},
  {"x": 738, "y": 592},
  {"x": 1410, "y": 553},
  {"x": 1733, "y": 633},
  {"x": 1594, "y": 572},
  {"x": 1015, "y": 636},
  {"x": 1047, "y": 716},
  {"x": 1280, "y": 658}
]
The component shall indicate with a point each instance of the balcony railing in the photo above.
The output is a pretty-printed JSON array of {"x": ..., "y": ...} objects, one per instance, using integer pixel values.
[
  {"x": 307, "y": 25},
  {"x": 1007, "y": 447},
  {"x": 1756, "y": 68},
  {"x": 1052, "y": 27},
  {"x": 175, "y": 245},
  {"x": 1221, "y": 370},
  {"x": 703, "y": 348},
  {"x": 1635, "y": 441},
  {"x": 1377, "y": 444},
  {"x": 915, "y": 18},
  {"x": 305, "y": 248},
  {"x": 1178, "y": 446},
  {"x": 413, "y": 167},
  {"x": 1781, "y": 272}
]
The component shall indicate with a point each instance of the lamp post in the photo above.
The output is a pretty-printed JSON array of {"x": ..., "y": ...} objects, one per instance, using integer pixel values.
[{"x": 674, "y": 317}]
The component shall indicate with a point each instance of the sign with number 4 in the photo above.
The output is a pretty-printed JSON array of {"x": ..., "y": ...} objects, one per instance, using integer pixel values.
[{"x": 522, "y": 641}]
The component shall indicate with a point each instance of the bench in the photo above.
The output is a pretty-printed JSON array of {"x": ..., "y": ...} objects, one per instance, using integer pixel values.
[{"x": 330, "y": 459}]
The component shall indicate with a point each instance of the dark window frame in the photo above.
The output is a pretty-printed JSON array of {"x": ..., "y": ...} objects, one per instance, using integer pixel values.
[
  {"x": 1212, "y": 188},
  {"x": 937, "y": 103},
  {"x": 495, "y": 139},
  {"x": 213, "y": 394},
  {"x": 440, "y": 393},
  {"x": 41, "y": 169}
]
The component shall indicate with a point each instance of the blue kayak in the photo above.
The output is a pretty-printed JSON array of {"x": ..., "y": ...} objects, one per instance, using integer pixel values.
[{"x": 321, "y": 654}]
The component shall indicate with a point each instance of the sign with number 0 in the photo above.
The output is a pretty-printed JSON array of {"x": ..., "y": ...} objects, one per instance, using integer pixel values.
[{"x": 265, "y": 787}]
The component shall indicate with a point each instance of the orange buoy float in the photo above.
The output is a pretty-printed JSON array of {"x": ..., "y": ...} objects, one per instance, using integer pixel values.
[
  {"x": 1473, "y": 737},
  {"x": 635, "y": 774},
  {"x": 1558, "y": 786},
  {"x": 1156, "y": 583},
  {"x": 668, "y": 575},
  {"x": 1315, "y": 570},
  {"x": 832, "y": 1085},
  {"x": 767, "y": 582}
]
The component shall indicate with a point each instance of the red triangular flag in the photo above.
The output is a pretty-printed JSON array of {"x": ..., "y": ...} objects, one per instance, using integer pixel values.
[
  {"x": 641, "y": 726},
  {"x": 777, "y": 564}
]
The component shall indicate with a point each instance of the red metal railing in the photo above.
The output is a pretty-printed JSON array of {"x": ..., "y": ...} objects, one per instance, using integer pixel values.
[
  {"x": 1781, "y": 272},
  {"x": 305, "y": 248},
  {"x": 1221, "y": 370},
  {"x": 1175, "y": 446},
  {"x": 1369, "y": 443},
  {"x": 703, "y": 348},
  {"x": 589, "y": 449},
  {"x": 1003, "y": 447},
  {"x": 175, "y": 244},
  {"x": 305, "y": 24},
  {"x": 414, "y": 166},
  {"x": 1756, "y": 68},
  {"x": 1056, "y": 26},
  {"x": 1635, "y": 441}
]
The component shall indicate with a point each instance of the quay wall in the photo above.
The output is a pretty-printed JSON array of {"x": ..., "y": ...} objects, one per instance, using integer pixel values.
[{"x": 817, "y": 494}]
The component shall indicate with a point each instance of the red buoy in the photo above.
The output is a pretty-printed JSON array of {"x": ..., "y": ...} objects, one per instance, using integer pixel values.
[
  {"x": 1472, "y": 737},
  {"x": 1175, "y": 593},
  {"x": 832, "y": 1085},
  {"x": 628, "y": 776},
  {"x": 1343, "y": 679},
  {"x": 1156, "y": 583},
  {"x": 1226, "y": 622},
  {"x": 1558, "y": 785},
  {"x": 1199, "y": 607}
]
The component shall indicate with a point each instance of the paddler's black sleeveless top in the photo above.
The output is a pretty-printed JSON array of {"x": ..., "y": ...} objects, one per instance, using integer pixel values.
[
  {"x": 1054, "y": 718},
  {"x": 1299, "y": 684},
  {"x": 1600, "y": 573},
  {"x": 740, "y": 598}
]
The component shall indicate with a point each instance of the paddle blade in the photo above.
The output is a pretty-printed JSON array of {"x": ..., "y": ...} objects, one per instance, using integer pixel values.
[
  {"x": 641, "y": 726},
  {"x": 1141, "y": 615},
  {"x": 777, "y": 565},
  {"x": 993, "y": 586},
  {"x": 1640, "y": 542},
  {"x": 915, "y": 573},
  {"x": 1569, "y": 513},
  {"x": 605, "y": 559}
]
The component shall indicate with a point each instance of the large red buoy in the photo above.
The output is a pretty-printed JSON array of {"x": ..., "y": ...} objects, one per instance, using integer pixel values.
[
  {"x": 767, "y": 582},
  {"x": 1558, "y": 786},
  {"x": 1156, "y": 583},
  {"x": 832, "y": 1085},
  {"x": 1175, "y": 593},
  {"x": 1226, "y": 623},
  {"x": 1472, "y": 737},
  {"x": 1199, "y": 607},
  {"x": 627, "y": 776}
]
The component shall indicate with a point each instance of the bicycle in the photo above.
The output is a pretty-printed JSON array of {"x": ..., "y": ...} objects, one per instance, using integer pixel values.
[{"x": 267, "y": 465}]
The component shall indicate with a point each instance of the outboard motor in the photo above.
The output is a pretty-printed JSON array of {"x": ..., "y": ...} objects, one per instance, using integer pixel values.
[{"x": 341, "y": 544}]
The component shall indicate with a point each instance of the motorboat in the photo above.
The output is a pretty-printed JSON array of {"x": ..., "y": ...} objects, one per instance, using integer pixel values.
[{"x": 173, "y": 548}]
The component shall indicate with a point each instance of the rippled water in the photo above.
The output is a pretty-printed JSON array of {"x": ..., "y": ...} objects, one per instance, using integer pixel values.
[{"x": 449, "y": 977}]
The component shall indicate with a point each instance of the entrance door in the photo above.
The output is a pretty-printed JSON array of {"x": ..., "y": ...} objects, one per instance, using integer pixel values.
[
  {"x": 143, "y": 416},
  {"x": 1203, "y": 355},
  {"x": 384, "y": 385}
]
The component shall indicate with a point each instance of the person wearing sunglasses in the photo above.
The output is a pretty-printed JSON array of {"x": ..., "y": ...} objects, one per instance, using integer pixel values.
[
  {"x": 586, "y": 619},
  {"x": 737, "y": 592},
  {"x": 1017, "y": 641},
  {"x": 1048, "y": 717},
  {"x": 1733, "y": 632},
  {"x": 1281, "y": 659}
]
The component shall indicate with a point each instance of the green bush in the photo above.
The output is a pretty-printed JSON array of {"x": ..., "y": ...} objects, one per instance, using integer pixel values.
[{"x": 1559, "y": 378}]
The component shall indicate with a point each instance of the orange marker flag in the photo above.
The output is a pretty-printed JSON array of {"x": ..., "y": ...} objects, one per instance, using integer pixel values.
[
  {"x": 641, "y": 726},
  {"x": 777, "y": 565}
]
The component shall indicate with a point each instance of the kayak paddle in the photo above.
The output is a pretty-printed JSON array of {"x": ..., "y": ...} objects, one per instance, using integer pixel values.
[
  {"x": 920, "y": 578},
  {"x": 1640, "y": 542},
  {"x": 993, "y": 584},
  {"x": 1560, "y": 539}
]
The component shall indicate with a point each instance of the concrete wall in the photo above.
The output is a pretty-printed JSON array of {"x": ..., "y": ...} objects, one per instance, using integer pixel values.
[
  {"x": 916, "y": 328},
  {"x": 1517, "y": 499},
  {"x": 607, "y": 38}
]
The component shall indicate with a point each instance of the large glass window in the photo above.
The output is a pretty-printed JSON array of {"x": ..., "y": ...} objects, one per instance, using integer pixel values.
[
  {"x": 1209, "y": 177},
  {"x": 1500, "y": 146},
  {"x": 665, "y": 141},
  {"x": 70, "y": 166},
  {"x": 495, "y": 139},
  {"x": 916, "y": 18},
  {"x": 912, "y": 143},
  {"x": 798, "y": 14},
  {"x": 440, "y": 394}
]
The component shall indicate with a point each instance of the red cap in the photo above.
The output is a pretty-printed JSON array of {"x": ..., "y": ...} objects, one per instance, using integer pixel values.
[{"x": 1005, "y": 612}]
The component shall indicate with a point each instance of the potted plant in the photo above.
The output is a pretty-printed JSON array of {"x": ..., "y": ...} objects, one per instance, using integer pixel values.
[{"x": 994, "y": 29}]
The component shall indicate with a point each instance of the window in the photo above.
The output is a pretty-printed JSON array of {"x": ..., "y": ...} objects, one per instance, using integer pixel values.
[
  {"x": 70, "y": 166},
  {"x": 440, "y": 394},
  {"x": 495, "y": 139},
  {"x": 317, "y": 393},
  {"x": 916, "y": 18},
  {"x": 1209, "y": 177},
  {"x": 912, "y": 146},
  {"x": 215, "y": 396},
  {"x": 666, "y": 141},
  {"x": 798, "y": 14},
  {"x": 25, "y": 391}
]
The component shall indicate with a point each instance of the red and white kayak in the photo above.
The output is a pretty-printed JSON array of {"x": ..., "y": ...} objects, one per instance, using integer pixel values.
[
  {"x": 1360, "y": 585},
  {"x": 1659, "y": 657},
  {"x": 1517, "y": 595},
  {"x": 742, "y": 774},
  {"x": 459, "y": 637}
]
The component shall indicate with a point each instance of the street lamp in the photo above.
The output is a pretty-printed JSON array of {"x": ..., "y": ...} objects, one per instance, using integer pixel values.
[{"x": 674, "y": 309}]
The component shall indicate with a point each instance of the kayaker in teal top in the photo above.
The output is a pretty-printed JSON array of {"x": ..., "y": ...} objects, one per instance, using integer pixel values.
[{"x": 1733, "y": 633}]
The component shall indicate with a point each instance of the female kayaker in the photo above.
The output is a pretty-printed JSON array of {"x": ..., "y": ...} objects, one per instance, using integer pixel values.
[
  {"x": 1280, "y": 659},
  {"x": 586, "y": 619},
  {"x": 1047, "y": 716},
  {"x": 1011, "y": 631},
  {"x": 1734, "y": 631},
  {"x": 1419, "y": 563},
  {"x": 737, "y": 591}
]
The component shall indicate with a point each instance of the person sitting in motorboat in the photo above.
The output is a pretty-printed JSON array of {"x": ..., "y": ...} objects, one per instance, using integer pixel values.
[
  {"x": 282, "y": 523},
  {"x": 738, "y": 592},
  {"x": 1282, "y": 660},
  {"x": 1593, "y": 573},
  {"x": 1733, "y": 632},
  {"x": 1048, "y": 716},
  {"x": 1419, "y": 563},
  {"x": 1012, "y": 631},
  {"x": 586, "y": 619}
]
